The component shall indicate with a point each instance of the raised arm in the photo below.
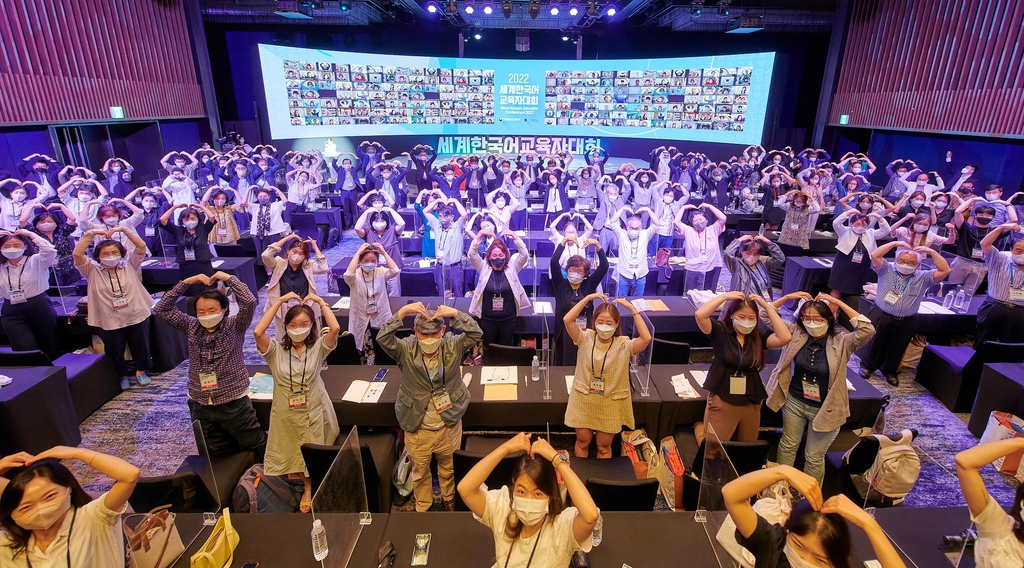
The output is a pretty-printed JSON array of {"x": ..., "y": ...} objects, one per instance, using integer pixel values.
[
  {"x": 570, "y": 318},
  {"x": 738, "y": 492}
]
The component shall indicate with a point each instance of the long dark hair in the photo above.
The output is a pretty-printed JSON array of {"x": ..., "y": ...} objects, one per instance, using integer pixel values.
[
  {"x": 30, "y": 247},
  {"x": 754, "y": 338},
  {"x": 542, "y": 473},
  {"x": 830, "y": 528},
  {"x": 12, "y": 495},
  {"x": 820, "y": 308},
  {"x": 292, "y": 313}
]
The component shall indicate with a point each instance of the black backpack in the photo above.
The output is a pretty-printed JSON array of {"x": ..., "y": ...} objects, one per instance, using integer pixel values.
[{"x": 258, "y": 492}]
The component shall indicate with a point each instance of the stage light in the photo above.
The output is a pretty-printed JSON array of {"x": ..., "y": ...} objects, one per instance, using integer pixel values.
[
  {"x": 696, "y": 8},
  {"x": 574, "y": 9},
  {"x": 469, "y": 7},
  {"x": 476, "y": 35},
  {"x": 432, "y": 8},
  {"x": 506, "y": 9},
  {"x": 488, "y": 8},
  {"x": 611, "y": 10},
  {"x": 534, "y": 9},
  {"x": 565, "y": 37},
  {"x": 345, "y": 5},
  {"x": 554, "y": 8}
]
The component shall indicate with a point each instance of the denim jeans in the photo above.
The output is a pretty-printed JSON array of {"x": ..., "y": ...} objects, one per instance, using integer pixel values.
[
  {"x": 631, "y": 286},
  {"x": 659, "y": 241},
  {"x": 796, "y": 416}
]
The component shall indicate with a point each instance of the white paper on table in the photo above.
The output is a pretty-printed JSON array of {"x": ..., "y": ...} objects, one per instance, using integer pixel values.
[
  {"x": 149, "y": 263},
  {"x": 466, "y": 379},
  {"x": 498, "y": 376},
  {"x": 342, "y": 304},
  {"x": 520, "y": 233},
  {"x": 217, "y": 263},
  {"x": 700, "y": 377},
  {"x": 569, "y": 379},
  {"x": 681, "y": 385},
  {"x": 424, "y": 264},
  {"x": 542, "y": 308},
  {"x": 933, "y": 308},
  {"x": 849, "y": 385},
  {"x": 641, "y": 305},
  {"x": 406, "y": 234},
  {"x": 364, "y": 391},
  {"x": 374, "y": 391},
  {"x": 827, "y": 263}
]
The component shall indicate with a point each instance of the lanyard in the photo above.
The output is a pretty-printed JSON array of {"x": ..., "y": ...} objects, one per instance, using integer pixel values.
[
  {"x": 188, "y": 239},
  {"x": 371, "y": 288},
  {"x": 24, "y": 261},
  {"x": 291, "y": 383},
  {"x": 71, "y": 529},
  {"x": 593, "y": 365},
  {"x": 1019, "y": 284},
  {"x": 120, "y": 289},
  {"x": 445, "y": 238},
  {"x": 426, "y": 369},
  {"x": 906, "y": 282},
  {"x": 534, "y": 549},
  {"x": 742, "y": 349}
]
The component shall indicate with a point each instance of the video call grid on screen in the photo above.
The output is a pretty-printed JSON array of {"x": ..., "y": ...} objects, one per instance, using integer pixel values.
[{"x": 321, "y": 93}]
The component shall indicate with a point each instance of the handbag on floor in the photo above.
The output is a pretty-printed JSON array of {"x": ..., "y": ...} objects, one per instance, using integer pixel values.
[
  {"x": 219, "y": 550},
  {"x": 154, "y": 542}
]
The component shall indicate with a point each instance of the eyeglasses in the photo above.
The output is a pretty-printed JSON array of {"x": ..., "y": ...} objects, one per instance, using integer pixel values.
[{"x": 808, "y": 321}]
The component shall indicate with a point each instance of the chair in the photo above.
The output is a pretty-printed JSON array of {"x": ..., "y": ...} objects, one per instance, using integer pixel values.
[
  {"x": 952, "y": 373},
  {"x": 674, "y": 287},
  {"x": 748, "y": 224},
  {"x": 544, "y": 249},
  {"x": 500, "y": 476},
  {"x": 185, "y": 492},
  {"x": 91, "y": 377},
  {"x": 345, "y": 353},
  {"x": 665, "y": 352},
  {"x": 227, "y": 470},
  {"x": 305, "y": 225},
  {"x": 422, "y": 283},
  {"x": 637, "y": 495},
  {"x": 377, "y": 452},
  {"x": 495, "y": 354},
  {"x": 745, "y": 457}
]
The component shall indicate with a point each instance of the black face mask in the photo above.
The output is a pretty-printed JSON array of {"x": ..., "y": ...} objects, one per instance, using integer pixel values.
[{"x": 982, "y": 221}]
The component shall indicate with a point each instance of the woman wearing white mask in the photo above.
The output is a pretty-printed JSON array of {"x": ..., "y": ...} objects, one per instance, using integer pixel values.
[
  {"x": 501, "y": 205},
  {"x": 799, "y": 208},
  {"x": 109, "y": 216},
  {"x": 384, "y": 227},
  {"x": 735, "y": 390},
  {"x": 810, "y": 380},
  {"x": 15, "y": 198},
  {"x": 1000, "y": 542},
  {"x": 851, "y": 267},
  {"x": 570, "y": 236},
  {"x": 49, "y": 520},
  {"x": 750, "y": 259},
  {"x": 294, "y": 272},
  {"x": 816, "y": 534},
  {"x": 577, "y": 282},
  {"x": 599, "y": 400},
  {"x": 119, "y": 305},
  {"x": 499, "y": 295},
  {"x": 226, "y": 229},
  {"x": 302, "y": 411},
  {"x": 370, "y": 308},
  {"x": 919, "y": 233},
  {"x": 531, "y": 524},
  {"x": 28, "y": 318},
  {"x": 191, "y": 235},
  {"x": 57, "y": 231}
]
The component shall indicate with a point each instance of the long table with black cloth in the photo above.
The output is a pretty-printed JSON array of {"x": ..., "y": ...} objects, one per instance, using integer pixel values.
[
  {"x": 659, "y": 413},
  {"x": 161, "y": 273},
  {"x": 36, "y": 410},
  {"x": 639, "y": 539}
]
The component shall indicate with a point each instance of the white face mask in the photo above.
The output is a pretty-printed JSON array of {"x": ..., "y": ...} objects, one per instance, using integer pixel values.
[
  {"x": 921, "y": 183},
  {"x": 905, "y": 269},
  {"x": 1018, "y": 258},
  {"x": 211, "y": 321},
  {"x": 794, "y": 559},
  {"x": 816, "y": 329},
  {"x": 604, "y": 331},
  {"x": 575, "y": 278},
  {"x": 940, "y": 205},
  {"x": 859, "y": 230},
  {"x": 700, "y": 223},
  {"x": 667, "y": 199},
  {"x": 920, "y": 228},
  {"x": 529, "y": 511},
  {"x": 296, "y": 258},
  {"x": 148, "y": 205},
  {"x": 917, "y": 203},
  {"x": 750, "y": 259},
  {"x": 429, "y": 344},
  {"x": 992, "y": 196},
  {"x": 44, "y": 515},
  {"x": 111, "y": 221},
  {"x": 633, "y": 234},
  {"x": 744, "y": 326},
  {"x": 963, "y": 170},
  {"x": 368, "y": 266},
  {"x": 379, "y": 225},
  {"x": 110, "y": 261},
  {"x": 191, "y": 224},
  {"x": 499, "y": 204},
  {"x": 47, "y": 227},
  {"x": 865, "y": 206},
  {"x": 299, "y": 334}
]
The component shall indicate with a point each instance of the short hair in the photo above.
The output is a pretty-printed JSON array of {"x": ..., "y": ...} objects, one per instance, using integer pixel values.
[
  {"x": 299, "y": 244},
  {"x": 577, "y": 261},
  {"x": 820, "y": 308},
  {"x": 752, "y": 246},
  {"x": 176, "y": 170},
  {"x": 188, "y": 212},
  {"x": 96, "y": 250},
  {"x": 985, "y": 209},
  {"x": 500, "y": 245},
  {"x": 857, "y": 217},
  {"x": 214, "y": 294},
  {"x": 427, "y": 325}
]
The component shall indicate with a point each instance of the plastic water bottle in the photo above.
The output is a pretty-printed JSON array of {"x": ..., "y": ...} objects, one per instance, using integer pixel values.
[
  {"x": 958, "y": 301},
  {"x": 760, "y": 231},
  {"x": 536, "y": 369},
  {"x": 319, "y": 536},
  {"x": 947, "y": 300},
  {"x": 598, "y": 529}
]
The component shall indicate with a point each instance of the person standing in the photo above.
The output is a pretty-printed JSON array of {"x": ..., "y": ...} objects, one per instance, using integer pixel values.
[
  {"x": 28, "y": 318},
  {"x": 857, "y": 241},
  {"x": 578, "y": 282},
  {"x": 370, "y": 308},
  {"x": 295, "y": 272},
  {"x": 701, "y": 247},
  {"x": 431, "y": 397},
  {"x": 499, "y": 295},
  {"x": 192, "y": 237},
  {"x": 218, "y": 382},
  {"x": 633, "y": 264},
  {"x": 448, "y": 244},
  {"x": 1001, "y": 316}
]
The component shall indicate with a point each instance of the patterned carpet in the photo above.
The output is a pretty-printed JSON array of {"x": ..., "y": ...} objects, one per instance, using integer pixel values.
[{"x": 150, "y": 426}]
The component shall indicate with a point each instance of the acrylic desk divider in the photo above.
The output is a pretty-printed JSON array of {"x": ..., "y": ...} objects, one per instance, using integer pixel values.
[
  {"x": 340, "y": 503},
  {"x": 545, "y": 351},
  {"x": 205, "y": 470},
  {"x": 640, "y": 364},
  {"x": 716, "y": 470}
]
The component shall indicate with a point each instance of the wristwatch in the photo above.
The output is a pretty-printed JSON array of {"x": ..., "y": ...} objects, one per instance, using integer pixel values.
[{"x": 558, "y": 459}]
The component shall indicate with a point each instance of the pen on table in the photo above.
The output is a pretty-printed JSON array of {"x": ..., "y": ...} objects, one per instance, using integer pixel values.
[{"x": 526, "y": 379}]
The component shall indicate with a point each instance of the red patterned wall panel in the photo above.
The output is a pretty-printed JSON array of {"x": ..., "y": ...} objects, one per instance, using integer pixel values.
[
  {"x": 70, "y": 60},
  {"x": 934, "y": 65}
]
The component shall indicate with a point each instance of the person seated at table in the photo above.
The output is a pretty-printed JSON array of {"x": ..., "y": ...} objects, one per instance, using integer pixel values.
[
  {"x": 1001, "y": 316},
  {"x": 701, "y": 248},
  {"x": 600, "y": 397},
  {"x": 370, "y": 308},
  {"x": 225, "y": 227},
  {"x": 267, "y": 219},
  {"x": 735, "y": 390},
  {"x": 578, "y": 282},
  {"x": 901, "y": 287},
  {"x": 295, "y": 272},
  {"x": 851, "y": 267},
  {"x": 816, "y": 533},
  {"x": 431, "y": 395},
  {"x": 499, "y": 295},
  {"x": 57, "y": 230},
  {"x": 191, "y": 238},
  {"x": 448, "y": 244},
  {"x": 569, "y": 237},
  {"x": 1000, "y": 542},
  {"x": 119, "y": 304},
  {"x": 28, "y": 318},
  {"x": 217, "y": 378},
  {"x": 809, "y": 380},
  {"x": 531, "y": 506},
  {"x": 49, "y": 520},
  {"x": 750, "y": 259},
  {"x": 796, "y": 229},
  {"x": 302, "y": 411},
  {"x": 501, "y": 205},
  {"x": 632, "y": 263}
]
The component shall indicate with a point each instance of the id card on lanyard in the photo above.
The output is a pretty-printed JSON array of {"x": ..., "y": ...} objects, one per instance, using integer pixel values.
[
  {"x": 120, "y": 296},
  {"x": 738, "y": 380},
  {"x": 17, "y": 294},
  {"x": 892, "y": 297},
  {"x": 1016, "y": 292},
  {"x": 297, "y": 398},
  {"x": 439, "y": 398},
  {"x": 597, "y": 380}
]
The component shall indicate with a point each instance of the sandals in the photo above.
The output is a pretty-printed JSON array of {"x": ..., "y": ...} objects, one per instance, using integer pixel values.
[{"x": 306, "y": 503}]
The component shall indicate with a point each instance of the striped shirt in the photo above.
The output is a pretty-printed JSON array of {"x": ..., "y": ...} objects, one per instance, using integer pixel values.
[
  {"x": 907, "y": 291},
  {"x": 1002, "y": 276}
]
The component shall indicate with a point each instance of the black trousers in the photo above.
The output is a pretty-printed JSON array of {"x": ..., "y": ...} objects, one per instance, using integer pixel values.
[
  {"x": 501, "y": 332},
  {"x": 32, "y": 325},
  {"x": 892, "y": 336},
  {"x": 230, "y": 427},
  {"x": 997, "y": 322},
  {"x": 136, "y": 337}
]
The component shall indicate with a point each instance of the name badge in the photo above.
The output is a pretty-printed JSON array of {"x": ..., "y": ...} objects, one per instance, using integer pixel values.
[
  {"x": 703, "y": 256},
  {"x": 597, "y": 385},
  {"x": 738, "y": 384},
  {"x": 150, "y": 231},
  {"x": 207, "y": 381},
  {"x": 976, "y": 252},
  {"x": 18, "y": 297},
  {"x": 811, "y": 391},
  {"x": 296, "y": 400},
  {"x": 120, "y": 302},
  {"x": 190, "y": 254},
  {"x": 1016, "y": 294},
  {"x": 497, "y": 303},
  {"x": 441, "y": 401},
  {"x": 857, "y": 257},
  {"x": 209, "y": 177},
  {"x": 371, "y": 308},
  {"x": 892, "y": 298},
  {"x": 581, "y": 323},
  {"x": 795, "y": 226},
  {"x": 222, "y": 231}
]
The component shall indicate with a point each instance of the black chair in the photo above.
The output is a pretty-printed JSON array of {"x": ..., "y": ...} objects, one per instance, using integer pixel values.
[
  {"x": 345, "y": 353},
  {"x": 953, "y": 374},
  {"x": 495, "y": 354},
  {"x": 748, "y": 224},
  {"x": 92, "y": 378},
  {"x": 422, "y": 283},
  {"x": 185, "y": 492},
  {"x": 377, "y": 452},
  {"x": 665, "y": 352},
  {"x": 544, "y": 249},
  {"x": 637, "y": 495},
  {"x": 675, "y": 283},
  {"x": 227, "y": 470},
  {"x": 500, "y": 476},
  {"x": 745, "y": 457}
]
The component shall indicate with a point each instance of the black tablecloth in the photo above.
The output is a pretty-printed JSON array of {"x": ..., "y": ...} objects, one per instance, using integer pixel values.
[
  {"x": 938, "y": 327},
  {"x": 163, "y": 276},
  {"x": 1001, "y": 388},
  {"x": 865, "y": 402},
  {"x": 918, "y": 532},
  {"x": 818, "y": 243},
  {"x": 412, "y": 244},
  {"x": 806, "y": 273},
  {"x": 36, "y": 411}
]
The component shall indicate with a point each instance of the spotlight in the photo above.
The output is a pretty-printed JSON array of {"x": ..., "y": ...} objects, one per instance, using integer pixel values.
[
  {"x": 534, "y": 9},
  {"x": 723, "y": 8},
  {"x": 432, "y": 8},
  {"x": 554, "y": 8},
  {"x": 574, "y": 9},
  {"x": 611, "y": 10},
  {"x": 469, "y": 7},
  {"x": 506, "y": 9},
  {"x": 696, "y": 8},
  {"x": 488, "y": 8},
  {"x": 345, "y": 5},
  {"x": 565, "y": 37},
  {"x": 476, "y": 35}
]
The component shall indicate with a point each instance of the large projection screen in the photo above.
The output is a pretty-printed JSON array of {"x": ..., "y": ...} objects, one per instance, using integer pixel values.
[{"x": 316, "y": 93}]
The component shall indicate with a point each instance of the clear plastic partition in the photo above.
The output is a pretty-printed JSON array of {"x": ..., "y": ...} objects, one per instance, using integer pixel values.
[
  {"x": 640, "y": 364},
  {"x": 717, "y": 470},
  {"x": 544, "y": 347},
  {"x": 340, "y": 503},
  {"x": 205, "y": 466},
  {"x": 68, "y": 299}
]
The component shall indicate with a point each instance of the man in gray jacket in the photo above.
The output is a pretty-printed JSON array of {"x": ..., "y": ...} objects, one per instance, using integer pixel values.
[{"x": 432, "y": 397}]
